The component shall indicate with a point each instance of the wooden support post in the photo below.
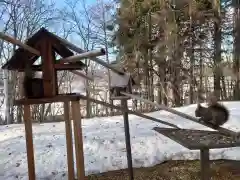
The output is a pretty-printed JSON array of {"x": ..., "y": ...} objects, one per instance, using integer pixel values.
[
  {"x": 55, "y": 78},
  {"x": 49, "y": 75},
  {"x": 78, "y": 140},
  {"x": 68, "y": 129},
  {"x": 205, "y": 164},
  {"x": 29, "y": 142},
  {"x": 127, "y": 138}
]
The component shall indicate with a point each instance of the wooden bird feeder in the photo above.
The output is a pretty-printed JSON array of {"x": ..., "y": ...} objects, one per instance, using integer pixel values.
[
  {"x": 46, "y": 45},
  {"x": 121, "y": 83}
]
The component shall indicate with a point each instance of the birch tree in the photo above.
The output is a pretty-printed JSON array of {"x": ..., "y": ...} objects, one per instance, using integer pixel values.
[
  {"x": 102, "y": 15},
  {"x": 77, "y": 16}
]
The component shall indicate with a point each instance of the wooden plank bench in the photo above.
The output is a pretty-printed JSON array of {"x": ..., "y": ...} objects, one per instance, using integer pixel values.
[{"x": 200, "y": 140}]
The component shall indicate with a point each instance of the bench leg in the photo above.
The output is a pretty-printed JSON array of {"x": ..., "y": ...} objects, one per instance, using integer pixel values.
[{"x": 205, "y": 164}]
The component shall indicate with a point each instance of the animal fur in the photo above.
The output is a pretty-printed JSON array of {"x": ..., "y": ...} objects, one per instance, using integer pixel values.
[{"x": 215, "y": 115}]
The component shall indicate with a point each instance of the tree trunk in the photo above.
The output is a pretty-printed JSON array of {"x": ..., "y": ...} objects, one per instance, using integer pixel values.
[
  {"x": 217, "y": 53},
  {"x": 236, "y": 52},
  {"x": 191, "y": 55}
]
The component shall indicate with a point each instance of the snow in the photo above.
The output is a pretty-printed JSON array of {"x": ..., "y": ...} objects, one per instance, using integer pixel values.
[{"x": 104, "y": 145}]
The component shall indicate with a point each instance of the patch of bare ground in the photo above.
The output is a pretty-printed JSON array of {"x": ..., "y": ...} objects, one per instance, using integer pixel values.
[{"x": 177, "y": 170}]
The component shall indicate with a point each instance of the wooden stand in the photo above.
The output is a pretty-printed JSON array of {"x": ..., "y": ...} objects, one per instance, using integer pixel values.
[
  {"x": 68, "y": 130},
  {"x": 75, "y": 106},
  {"x": 29, "y": 142},
  {"x": 205, "y": 164},
  {"x": 200, "y": 140},
  {"x": 127, "y": 137},
  {"x": 78, "y": 140},
  {"x": 46, "y": 45},
  {"x": 116, "y": 95}
]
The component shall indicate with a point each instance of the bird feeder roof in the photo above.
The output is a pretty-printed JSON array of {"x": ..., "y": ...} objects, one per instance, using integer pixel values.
[{"x": 22, "y": 57}]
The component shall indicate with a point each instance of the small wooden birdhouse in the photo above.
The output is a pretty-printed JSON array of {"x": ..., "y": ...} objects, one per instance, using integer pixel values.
[{"x": 120, "y": 83}]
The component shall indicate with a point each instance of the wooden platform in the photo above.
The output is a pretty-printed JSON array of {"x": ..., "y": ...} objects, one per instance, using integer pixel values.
[
  {"x": 58, "y": 98},
  {"x": 198, "y": 139}
]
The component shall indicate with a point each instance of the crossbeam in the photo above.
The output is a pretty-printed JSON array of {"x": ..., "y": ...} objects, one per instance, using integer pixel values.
[
  {"x": 84, "y": 55},
  {"x": 19, "y": 43},
  {"x": 162, "y": 107},
  {"x": 99, "y": 61},
  {"x": 129, "y": 111},
  {"x": 82, "y": 75}
]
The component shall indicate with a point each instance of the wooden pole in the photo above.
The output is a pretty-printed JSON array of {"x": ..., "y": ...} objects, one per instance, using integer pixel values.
[
  {"x": 48, "y": 69},
  {"x": 162, "y": 107},
  {"x": 84, "y": 55},
  {"x": 127, "y": 138},
  {"x": 99, "y": 61},
  {"x": 29, "y": 142},
  {"x": 68, "y": 129},
  {"x": 129, "y": 111},
  {"x": 19, "y": 43},
  {"x": 82, "y": 75},
  {"x": 79, "y": 50},
  {"x": 78, "y": 140},
  {"x": 205, "y": 164}
]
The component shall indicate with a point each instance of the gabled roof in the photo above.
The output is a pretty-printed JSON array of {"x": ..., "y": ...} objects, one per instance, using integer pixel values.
[{"x": 21, "y": 56}]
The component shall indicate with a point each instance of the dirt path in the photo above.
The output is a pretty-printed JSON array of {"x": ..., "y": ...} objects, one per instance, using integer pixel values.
[{"x": 177, "y": 170}]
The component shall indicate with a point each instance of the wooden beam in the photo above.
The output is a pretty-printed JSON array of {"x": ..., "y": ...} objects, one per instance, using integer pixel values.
[
  {"x": 77, "y": 124},
  {"x": 127, "y": 138},
  {"x": 129, "y": 111},
  {"x": 99, "y": 61},
  {"x": 58, "y": 98},
  {"x": 82, "y": 75},
  {"x": 48, "y": 68},
  {"x": 58, "y": 67},
  {"x": 162, "y": 107},
  {"x": 69, "y": 142},
  {"x": 75, "y": 97},
  {"x": 33, "y": 67},
  {"x": 19, "y": 43},
  {"x": 72, "y": 66},
  {"x": 29, "y": 142},
  {"x": 84, "y": 55},
  {"x": 205, "y": 164}
]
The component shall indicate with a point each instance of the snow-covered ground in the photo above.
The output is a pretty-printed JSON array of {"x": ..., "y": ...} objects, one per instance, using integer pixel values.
[{"x": 104, "y": 145}]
